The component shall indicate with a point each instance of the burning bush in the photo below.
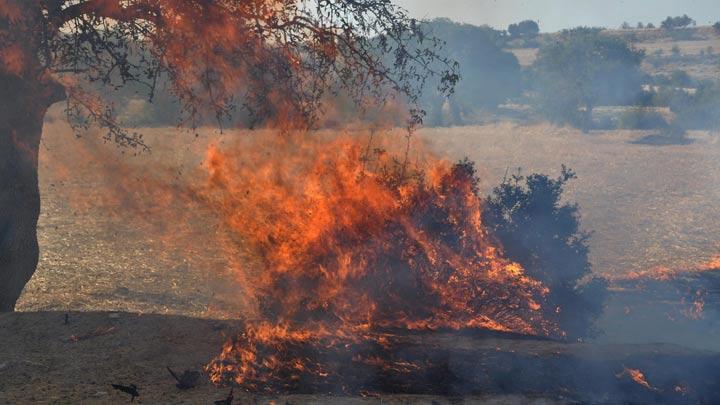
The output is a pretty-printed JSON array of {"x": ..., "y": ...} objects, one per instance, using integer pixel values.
[{"x": 355, "y": 242}]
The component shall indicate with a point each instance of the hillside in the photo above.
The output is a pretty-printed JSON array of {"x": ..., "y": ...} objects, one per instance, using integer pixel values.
[{"x": 699, "y": 50}]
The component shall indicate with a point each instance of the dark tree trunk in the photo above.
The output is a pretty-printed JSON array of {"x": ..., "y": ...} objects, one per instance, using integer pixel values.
[{"x": 23, "y": 104}]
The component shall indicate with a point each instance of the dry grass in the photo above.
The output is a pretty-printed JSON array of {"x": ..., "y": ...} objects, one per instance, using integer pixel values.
[
  {"x": 114, "y": 233},
  {"x": 526, "y": 56},
  {"x": 647, "y": 205}
]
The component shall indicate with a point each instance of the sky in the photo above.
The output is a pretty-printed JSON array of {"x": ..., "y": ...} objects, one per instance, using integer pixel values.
[{"x": 554, "y": 15}]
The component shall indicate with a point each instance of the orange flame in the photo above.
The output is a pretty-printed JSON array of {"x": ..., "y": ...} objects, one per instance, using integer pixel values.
[
  {"x": 637, "y": 376},
  {"x": 712, "y": 264},
  {"x": 352, "y": 243}
]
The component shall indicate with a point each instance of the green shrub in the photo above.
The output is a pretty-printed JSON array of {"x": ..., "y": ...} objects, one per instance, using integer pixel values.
[
  {"x": 700, "y": 110},
  {"x": 542, "y": 233}
]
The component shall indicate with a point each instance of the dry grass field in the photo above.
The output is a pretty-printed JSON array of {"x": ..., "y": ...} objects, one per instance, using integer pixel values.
[
  {"x": 646, "y": 205},
  {"x": 106, "y": 246}
]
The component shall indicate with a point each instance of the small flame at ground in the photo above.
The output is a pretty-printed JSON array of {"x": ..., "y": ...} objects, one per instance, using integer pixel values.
[
  {"x": 712, "y": 264},
  {"x": 637, "y": 376}
]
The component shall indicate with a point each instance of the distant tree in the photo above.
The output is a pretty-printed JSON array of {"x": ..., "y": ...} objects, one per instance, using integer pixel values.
[
  {"x": 681, "y": 78},
  {"x": 700, "y": 110},
  {"x": 650, "y": 26},
  {"x": 581, "y": 69},
  {"x": 524, "y": 29},
  {"x": 625, "y": 25},
  {"x": 489, "y": 75},
  {"x": 716, "y": 27},
  {"x": 543, "y": 234},
  {"x": 640, "y": 25},
  {"x": 677, "y": 22},
  {"x": 641, "y": 118}
]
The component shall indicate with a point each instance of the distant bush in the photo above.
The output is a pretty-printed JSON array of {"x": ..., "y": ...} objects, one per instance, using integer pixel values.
[
  {"x": 677, "y": 22},
  {"x": 673, "y": 134},
  {"x": 697, "y": 108},
  {"x": 670, "y": 97},
  {"x": 676, "y": 78},
  {"x": 700, "y": 110},
  {"x": 716, "y": 27},
  {"x": 641, "y": 118},
  {"x": 687, "y": 34},
  {"x": 681, "y": 78}
]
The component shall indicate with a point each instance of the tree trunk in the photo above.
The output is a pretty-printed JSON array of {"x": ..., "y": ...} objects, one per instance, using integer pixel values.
[{"x": 23, "y": 105}]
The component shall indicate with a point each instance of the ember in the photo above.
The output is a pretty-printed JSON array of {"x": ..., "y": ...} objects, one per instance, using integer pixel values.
[{"x": 352, "y": 245}]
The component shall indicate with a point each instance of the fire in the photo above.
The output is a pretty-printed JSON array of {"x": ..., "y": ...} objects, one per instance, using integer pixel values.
[
  {"x": 658, "y": 273},
  {"x": 682, "y": 286},
  {"x": 637, "y": 376},
  {"x": 354, "y": 242},
  {"x": 696, "y": 307},
  {"x": 712, "y": 264}
]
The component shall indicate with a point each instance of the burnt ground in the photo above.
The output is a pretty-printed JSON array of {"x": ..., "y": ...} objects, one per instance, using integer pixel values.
[
  {"x": 45, "y": 360},
  {"x": 41, "y": 362}
]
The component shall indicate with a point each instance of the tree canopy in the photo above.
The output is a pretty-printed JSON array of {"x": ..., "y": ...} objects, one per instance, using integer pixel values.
[
  {"x": 490, "y": 75},
  {"x": 700, "y": 110},
  {"x": 581, "y": 69},
  {"x": 544, "y": 235},
  {"x": 677, "y": 22},
  {"x": 278, "y": 55},
  {"x": 275, "y": 59},
  {"x": 524, "y": 29}
]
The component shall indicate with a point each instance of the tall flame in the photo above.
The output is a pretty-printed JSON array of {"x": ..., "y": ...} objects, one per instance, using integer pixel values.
[{"x": 354, "y": 239}]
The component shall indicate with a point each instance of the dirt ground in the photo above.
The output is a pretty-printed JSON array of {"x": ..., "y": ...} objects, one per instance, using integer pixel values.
[{"x": 54, "y": 362}]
